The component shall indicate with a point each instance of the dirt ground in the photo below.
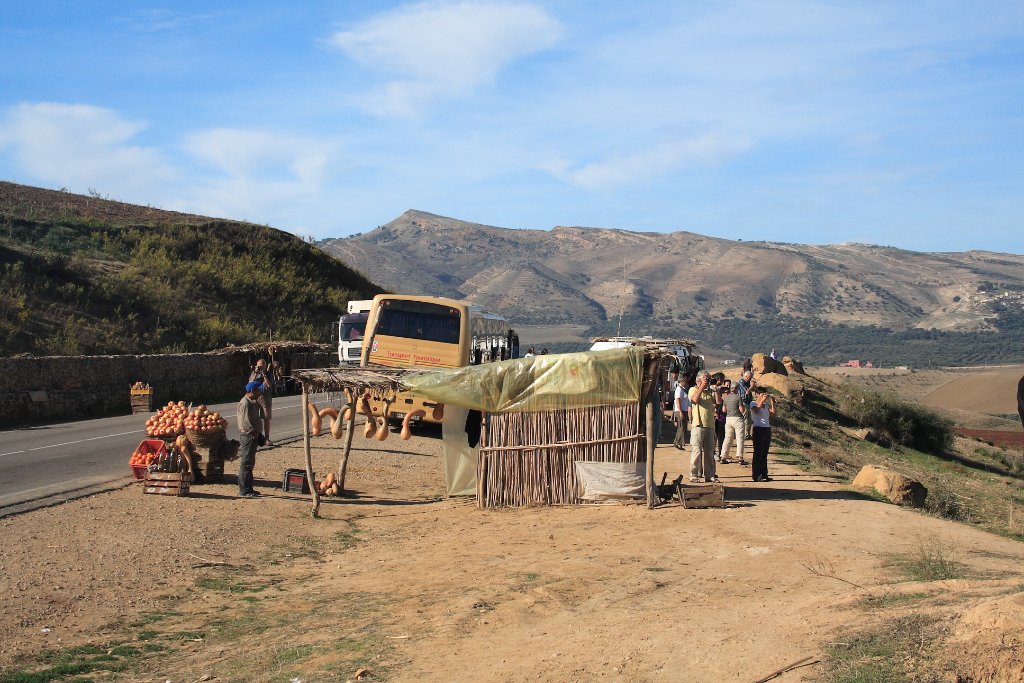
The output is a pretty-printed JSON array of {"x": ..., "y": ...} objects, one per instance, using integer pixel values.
[{"x": 406, "y": 585}]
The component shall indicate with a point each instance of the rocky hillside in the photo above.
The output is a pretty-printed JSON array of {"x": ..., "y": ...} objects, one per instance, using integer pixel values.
[
  {"x": 588, "y": 274},
  {"x": 86, "y": 275},
  {"x": 682, "y": 281}
]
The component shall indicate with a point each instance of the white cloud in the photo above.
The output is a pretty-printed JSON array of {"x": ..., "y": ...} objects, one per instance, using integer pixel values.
[
  {"x": 658, "y": 160},
  {"x": 256, "y": 171},
  {"x": 159, "y": 20},
  {"x": 81, "y": 146},
  {"x": 443, "y": 49}
]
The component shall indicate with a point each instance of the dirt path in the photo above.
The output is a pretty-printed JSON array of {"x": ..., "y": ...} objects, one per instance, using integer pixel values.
[{"x": 414, "y": 588}]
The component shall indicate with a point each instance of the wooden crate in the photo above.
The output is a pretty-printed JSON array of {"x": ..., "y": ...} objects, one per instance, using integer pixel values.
[
  {"x": 212, "y": 474},
  {"x": 141, "y": 400},
  {"x": 693, "y": 496},
  {"x": 166, "y": 483}
]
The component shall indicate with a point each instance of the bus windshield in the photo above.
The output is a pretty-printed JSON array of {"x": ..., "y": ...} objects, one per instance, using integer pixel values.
[{"x": 418, "y": 320}]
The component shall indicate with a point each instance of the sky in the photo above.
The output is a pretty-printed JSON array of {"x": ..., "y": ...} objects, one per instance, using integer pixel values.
[{"x": 892, "y": 123}]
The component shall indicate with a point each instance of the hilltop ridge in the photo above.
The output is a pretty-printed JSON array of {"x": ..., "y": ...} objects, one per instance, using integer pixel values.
[{"x": 684, "y": 281}]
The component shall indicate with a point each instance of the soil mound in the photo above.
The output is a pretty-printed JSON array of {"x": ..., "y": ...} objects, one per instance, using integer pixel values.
[{"x": 990, "y": 637}]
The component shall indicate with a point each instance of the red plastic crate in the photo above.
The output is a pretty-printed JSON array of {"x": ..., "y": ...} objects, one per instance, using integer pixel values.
[{"x": 147, "y": 447}]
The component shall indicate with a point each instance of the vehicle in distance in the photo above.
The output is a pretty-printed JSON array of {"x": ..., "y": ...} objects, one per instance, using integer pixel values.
[{"x": 432, "y": 332}]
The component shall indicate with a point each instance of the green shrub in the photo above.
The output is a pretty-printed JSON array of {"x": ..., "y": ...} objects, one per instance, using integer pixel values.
[
  {"x": 908, "y": 424},
  {"x": 931, "y": 559}
]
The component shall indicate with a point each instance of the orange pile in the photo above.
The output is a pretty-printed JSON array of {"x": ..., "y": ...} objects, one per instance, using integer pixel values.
[
  {"x": 204, "y": 421},
  {"x": 168, "y": 421}
]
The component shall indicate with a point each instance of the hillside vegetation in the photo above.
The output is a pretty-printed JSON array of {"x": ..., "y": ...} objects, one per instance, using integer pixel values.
[
  {"x": 84, "y": 275},
  {"x": 822, "y": 303},
  {"x": 967, "y": 481}
]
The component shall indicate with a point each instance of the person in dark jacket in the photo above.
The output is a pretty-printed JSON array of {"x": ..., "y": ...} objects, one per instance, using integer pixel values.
[
  {"x": 1020, "y": 400},
  {"x": 250, "y": 434}
]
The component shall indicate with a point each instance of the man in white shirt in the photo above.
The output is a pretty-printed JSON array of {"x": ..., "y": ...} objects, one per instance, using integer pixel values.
[{"x": 681, "y": 406}]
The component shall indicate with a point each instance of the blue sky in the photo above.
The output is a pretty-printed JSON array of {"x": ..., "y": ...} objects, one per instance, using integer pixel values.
[{"x": 898, "y": 123}]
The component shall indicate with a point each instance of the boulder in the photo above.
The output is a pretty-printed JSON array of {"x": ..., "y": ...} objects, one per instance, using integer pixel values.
[
  {"x": 794, "y": 366},
  {"x": 788, "y": 387},
  {"x": 891, "y": 484},
  {"x": 764, "y": 364}
]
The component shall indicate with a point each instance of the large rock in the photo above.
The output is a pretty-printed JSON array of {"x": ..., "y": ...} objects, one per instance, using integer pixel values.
[
  {"x": 788, "y": 387},
  {"x": 763, "y": 365},
  {"x": 891, "y": 484},
  {"x": 794, "y": 366}
]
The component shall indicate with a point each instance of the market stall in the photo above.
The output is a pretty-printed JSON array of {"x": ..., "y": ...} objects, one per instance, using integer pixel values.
[
  {"x": 187, "y": 442},
  {"x": 516, "y": 431}
]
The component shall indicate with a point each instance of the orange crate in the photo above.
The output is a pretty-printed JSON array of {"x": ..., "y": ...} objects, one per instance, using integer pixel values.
[{"x": 150, "y": 447}]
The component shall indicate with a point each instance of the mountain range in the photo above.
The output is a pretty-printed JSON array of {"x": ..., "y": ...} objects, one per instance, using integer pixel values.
[
  {"x": 84, "y": 274},
  {"x": 684, "y": 282}
]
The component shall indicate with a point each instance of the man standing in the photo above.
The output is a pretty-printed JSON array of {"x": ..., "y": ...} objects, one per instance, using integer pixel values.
[
  {"x": 681, "y": 408},
  {"x": 734, "y": 412},
  {"x": 670, "y": 395},
  {"x": 702, "y": 431},
  {"x": 265, "y": 377},
  {"x": 743, "y": 389},
  {"x": 250, "y": 431}
]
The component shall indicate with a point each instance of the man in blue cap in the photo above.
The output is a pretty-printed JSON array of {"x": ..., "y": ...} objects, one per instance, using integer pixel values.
[{"x": 250, "y": 431}]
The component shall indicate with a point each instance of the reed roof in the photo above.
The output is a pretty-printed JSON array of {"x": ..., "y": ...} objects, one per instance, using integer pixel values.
[
  {"x": 273, "y": 347},
  {"x": 376, "y": 380}
]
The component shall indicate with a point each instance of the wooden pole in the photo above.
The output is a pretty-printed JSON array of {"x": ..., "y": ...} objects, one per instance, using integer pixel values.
[
  {"x": 480, "y": 458},
  {"x": 652, "y": 498},
  {"x": 350, "y": 426},
  {"x": 308, "y": 452}
]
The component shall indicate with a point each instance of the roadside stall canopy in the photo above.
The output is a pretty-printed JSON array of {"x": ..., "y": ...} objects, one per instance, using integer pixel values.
[
  {"x": 587, "y": 379},
  {"x": 549, "y": 382}
]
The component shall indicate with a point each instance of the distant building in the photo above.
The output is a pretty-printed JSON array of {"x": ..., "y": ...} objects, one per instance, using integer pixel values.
[{"x": 851, "y": 364}]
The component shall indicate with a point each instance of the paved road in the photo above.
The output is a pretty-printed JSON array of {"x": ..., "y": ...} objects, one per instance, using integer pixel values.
[{"x": 41, "y": 462}]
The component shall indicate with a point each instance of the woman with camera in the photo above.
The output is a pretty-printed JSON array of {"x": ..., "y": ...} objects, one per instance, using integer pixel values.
[{"x": 761, "y": 410}]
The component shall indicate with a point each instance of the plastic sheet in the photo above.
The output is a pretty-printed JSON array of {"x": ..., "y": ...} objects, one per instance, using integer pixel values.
[
  {"x": 549, "y": 382},
  {"x": 459, "y": 456},
  {"x": 611, "y": 480}
]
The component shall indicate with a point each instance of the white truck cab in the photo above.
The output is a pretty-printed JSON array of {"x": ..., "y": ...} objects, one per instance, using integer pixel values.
[{"x": 351, "y": 328}]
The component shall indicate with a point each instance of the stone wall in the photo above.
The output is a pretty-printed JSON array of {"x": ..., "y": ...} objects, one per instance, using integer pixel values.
[{"x": 40, "y": 389}]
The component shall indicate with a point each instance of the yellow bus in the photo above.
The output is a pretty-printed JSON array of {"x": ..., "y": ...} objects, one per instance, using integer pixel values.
[{"x": 433, "y": 332}]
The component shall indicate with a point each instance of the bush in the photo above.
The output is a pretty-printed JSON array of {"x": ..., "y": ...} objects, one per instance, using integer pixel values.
[{"x": 907, "y": 424}]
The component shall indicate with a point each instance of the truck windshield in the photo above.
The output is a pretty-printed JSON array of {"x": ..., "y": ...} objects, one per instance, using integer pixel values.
[
  {"x": 353, "y": 331},
  {"x": 353, "y": 326},
  {"x": 419, "y": 320}
]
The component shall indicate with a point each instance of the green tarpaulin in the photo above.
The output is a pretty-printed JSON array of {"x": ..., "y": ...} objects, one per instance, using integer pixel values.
[{"x": 549, "y": 382}]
